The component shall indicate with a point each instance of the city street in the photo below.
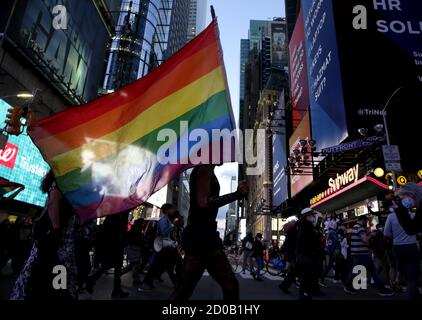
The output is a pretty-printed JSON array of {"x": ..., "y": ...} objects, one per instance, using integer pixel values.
[{"x": 208, "y": 289}]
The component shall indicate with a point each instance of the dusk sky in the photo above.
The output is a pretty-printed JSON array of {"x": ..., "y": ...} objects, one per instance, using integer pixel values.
[{"x": 233, "y": 20}]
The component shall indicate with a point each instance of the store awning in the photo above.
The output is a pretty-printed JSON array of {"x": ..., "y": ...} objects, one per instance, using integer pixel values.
[{"x": 358, "y": 191}]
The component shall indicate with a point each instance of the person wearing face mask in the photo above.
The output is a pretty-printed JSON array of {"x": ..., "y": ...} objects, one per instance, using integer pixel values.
[
  {"x": 361, "y": 257},
  {"x": 410, "y": 197},
  {"x": 405, "y": 248},
  {"x": 308, "y": 249}
]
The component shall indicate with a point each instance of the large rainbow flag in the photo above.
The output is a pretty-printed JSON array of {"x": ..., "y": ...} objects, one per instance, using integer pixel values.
[{"x": 105, "y": 154}]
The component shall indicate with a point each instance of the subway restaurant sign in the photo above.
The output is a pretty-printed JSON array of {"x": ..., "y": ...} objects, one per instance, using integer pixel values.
[{"x": 339, "y": 182}]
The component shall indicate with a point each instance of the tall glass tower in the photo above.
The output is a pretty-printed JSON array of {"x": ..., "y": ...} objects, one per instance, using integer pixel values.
[{"x": 132, "y": 51}]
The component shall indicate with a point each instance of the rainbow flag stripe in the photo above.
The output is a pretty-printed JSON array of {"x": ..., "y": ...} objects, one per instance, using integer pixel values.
[{"x": 104, "y": 154}]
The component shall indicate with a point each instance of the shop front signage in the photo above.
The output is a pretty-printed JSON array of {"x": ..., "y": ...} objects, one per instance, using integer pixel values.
[
  {"x": 8, "y": 155},
  {"x": 339, "y": 182}
]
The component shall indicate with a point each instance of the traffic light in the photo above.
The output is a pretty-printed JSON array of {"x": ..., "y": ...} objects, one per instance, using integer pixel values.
[
  {"x": 390, "y": 182},
  {"x": 13, "y": 121}
]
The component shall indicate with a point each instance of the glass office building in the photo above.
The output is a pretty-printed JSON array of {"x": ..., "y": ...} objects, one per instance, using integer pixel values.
[{"x": 132, "y": 51}]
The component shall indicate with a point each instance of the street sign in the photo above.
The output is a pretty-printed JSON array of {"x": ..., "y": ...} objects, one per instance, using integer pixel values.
[
  {"x": 393, "y": 166},
  {"x": 391, "y": 153}
]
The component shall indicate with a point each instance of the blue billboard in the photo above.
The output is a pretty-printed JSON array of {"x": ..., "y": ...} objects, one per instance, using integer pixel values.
[
  {"x": 328, "y": 115},
  {"x": 21, "y": 162}
]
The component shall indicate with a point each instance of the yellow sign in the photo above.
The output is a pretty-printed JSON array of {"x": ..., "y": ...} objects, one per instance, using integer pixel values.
[
  {"x": 401, "y": 180},
  {"x": 420, "y": 174}
]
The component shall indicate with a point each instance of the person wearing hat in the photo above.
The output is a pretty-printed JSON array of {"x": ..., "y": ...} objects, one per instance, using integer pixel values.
[
  {"x": 362, "y": 257},
  {"x": 410, "y": 196},
  {"x": 308, "y": 248}
]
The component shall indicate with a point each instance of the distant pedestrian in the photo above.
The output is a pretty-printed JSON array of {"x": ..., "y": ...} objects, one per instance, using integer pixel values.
[
  {"x": 406, "y": 251},
  {"x": 258, "y": 254},
  {"x": 361, "y": 257},
  {"x": 289, "y": 251},
  {"x": 247, "y": 252}
]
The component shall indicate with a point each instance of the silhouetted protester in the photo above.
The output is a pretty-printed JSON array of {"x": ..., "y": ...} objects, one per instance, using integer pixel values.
[
  {"x": 54, "y": 244},
  {"x": 111, "y": 251},
  {"x": 147, "y": 246},
  {"x": 247, "y": 251},
  {"x": 83, "y": 245},
  {"x": 258, "y": 248},
  {"x": 332, "y": 247},
  {"x": 203, "y": 249},
  {"x": 135, "y": 239},
  {"x": 289, "y": 251},
  {"x": 6, "y": 240},
  {"x": 177, "y": 235},
  {"x": 410, "y": 196},
  {"x": 23, "y": 234},
  {"x": 165, "y": 259},
  {"x": 406, "y": 252},
  {"x": 378, "y": 246},
  {"x": 308, "y": 254}
]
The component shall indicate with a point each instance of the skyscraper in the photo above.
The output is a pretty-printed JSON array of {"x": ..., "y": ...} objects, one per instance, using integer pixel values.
[
  {"x": 197, "y": 17},
  {"x": 257, "y": 28},
  {"x": 132, "y": 54}
]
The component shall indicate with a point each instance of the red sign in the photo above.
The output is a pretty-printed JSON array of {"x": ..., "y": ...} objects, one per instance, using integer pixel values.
[
  {"x": 299, "y": 73},
  {"x": 8, "y": 155}
]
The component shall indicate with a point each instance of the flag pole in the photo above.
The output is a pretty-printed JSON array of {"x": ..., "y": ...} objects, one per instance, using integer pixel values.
[{"x": 212, "y": 12}]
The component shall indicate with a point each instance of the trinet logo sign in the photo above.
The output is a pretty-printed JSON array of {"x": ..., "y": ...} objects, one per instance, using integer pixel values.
[{"x": 8, "y": 155}]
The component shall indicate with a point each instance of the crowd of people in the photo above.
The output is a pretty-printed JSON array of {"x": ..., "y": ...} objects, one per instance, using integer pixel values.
[
  {"x": 390, "y": 251},
  {"x": 89, "y": 250},
  {"x": 314, "y": 247}
]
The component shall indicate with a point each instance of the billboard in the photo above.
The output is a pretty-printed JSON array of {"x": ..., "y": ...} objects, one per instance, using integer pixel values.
[
  {"x": 71, "y": 54},
  {"x": 21, "y": 162},
  {"x": 299, "y": 181},
  {"x": 278, "y": 45},
  {"x": 328, "y": 115},
  {"x": 381, "y": 54},
  {"x": 299, "y": 72},
  {"x": 280, "y": 176}
]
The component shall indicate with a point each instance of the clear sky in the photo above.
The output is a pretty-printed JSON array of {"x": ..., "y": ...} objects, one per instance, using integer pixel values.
[{"x": 233, "y": 20}]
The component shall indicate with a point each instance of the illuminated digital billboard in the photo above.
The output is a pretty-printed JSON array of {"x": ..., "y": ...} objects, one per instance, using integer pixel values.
[{"x": 21, "y": 162}]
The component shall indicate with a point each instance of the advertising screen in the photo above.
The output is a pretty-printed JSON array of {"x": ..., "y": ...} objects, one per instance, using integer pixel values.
[
  {"x": 280, "y": 177},
  {"x": 328, "y": 115},
  {"x": 278, "y": 45},
  {"x": 21, "y": 162},
  {"x": 299, "y": 72},
  {"x": 300, "y": 181},
  {"x": 381, "y": 60}
]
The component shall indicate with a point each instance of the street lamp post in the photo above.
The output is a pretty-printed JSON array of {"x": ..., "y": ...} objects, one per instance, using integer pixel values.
[{"x": 386, "y": 129}]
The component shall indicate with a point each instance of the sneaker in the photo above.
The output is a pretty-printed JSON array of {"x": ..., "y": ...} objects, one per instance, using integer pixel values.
[
  {"x": 284, "y": 289},
  {"x": 145, "y": 288},
  {"x": 385, "y": 292},
  {"x": 350, "y": 290},
  {"x": 119, "y": 294}
]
